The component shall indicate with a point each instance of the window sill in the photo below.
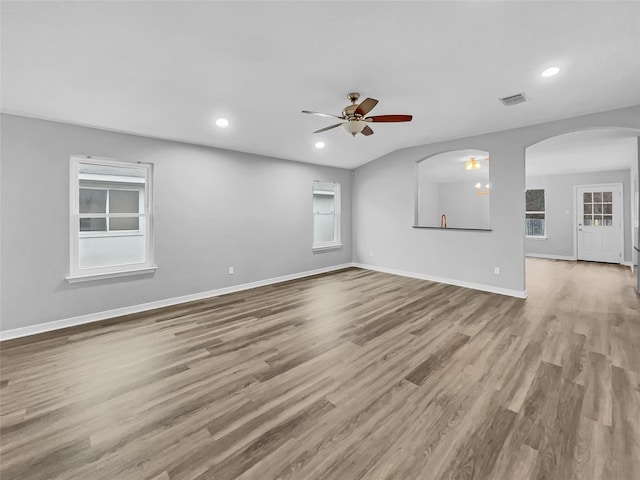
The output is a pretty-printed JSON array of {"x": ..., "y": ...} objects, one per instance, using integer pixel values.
[
  {"x": 332, "y": 246},
  {"x": 122, "y": 233},
  {"x": 531, "y": 237},
  {"x": 101, "y": 276}
]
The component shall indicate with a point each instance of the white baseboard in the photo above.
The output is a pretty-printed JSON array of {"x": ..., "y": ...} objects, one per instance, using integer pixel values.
[
  {"x": 571, "y": 259},
  {"x": 550, "y": 256},
  {"x": 117, "y": 312},
  {"x": 459, "y": 283}
]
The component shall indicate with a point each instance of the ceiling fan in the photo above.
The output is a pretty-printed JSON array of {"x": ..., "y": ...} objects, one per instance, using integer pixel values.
[{"x": 353, "y": 116}]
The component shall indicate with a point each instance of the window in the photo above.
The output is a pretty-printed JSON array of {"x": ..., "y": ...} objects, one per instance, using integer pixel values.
[
  {"x": 326, "y": 215},
  {"x": 597, "y": 209},
  {"x": 106, "y": 198},
  {"x": 535, "y": 214},
  {"x": 111, "y": 221}
]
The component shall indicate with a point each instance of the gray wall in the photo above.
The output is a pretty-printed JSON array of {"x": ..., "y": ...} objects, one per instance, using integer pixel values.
[
  {"x": 213, "y": 209},
  {"x": 463, "y": 206},
  {"x": 559, "y": 199},
  {"x": 383, "y": 207},
  {"x": 428, "y": 214}
]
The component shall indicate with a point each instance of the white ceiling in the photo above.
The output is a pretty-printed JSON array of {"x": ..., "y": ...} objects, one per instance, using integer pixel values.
[
  {"x": 585, "y": 151},
  {"x": 166, "y": 69}
]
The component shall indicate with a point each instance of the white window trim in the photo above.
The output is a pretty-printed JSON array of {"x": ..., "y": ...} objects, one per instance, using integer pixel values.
[
  {"x": 326, "y": 246},
  {"x": 337, "y": 242},
  {"x": 77, "y": 274},
  {"x": 543, "y": 212},
  {"x": 114, "y": 274}
]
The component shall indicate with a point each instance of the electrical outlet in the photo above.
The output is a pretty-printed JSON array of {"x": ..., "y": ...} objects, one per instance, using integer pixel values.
[
  {"x": 496, "y": 270},
  {"x": 230, "y": 270},
  {"x": 371, "y": 253}
]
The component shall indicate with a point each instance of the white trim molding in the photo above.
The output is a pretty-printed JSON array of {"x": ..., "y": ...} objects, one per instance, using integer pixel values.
[
  {"x": 117, "y": 312},
  {"x": 102, "y": 276},
  {"x": 550, "y": 256},
  {"x": 449, "y": 281},
  {"x": 333, "y": 246},
  {"x": 570, "y": 259}
]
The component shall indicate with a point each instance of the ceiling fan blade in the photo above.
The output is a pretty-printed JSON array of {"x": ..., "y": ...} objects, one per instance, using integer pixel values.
[
  {"x": 367, "y": 130},
  {"x": 366, "y": 106},
  {"x": 390, "y": 118},
  {"x": 328, "y": 128},
  {"x": 321, "y": 114}
]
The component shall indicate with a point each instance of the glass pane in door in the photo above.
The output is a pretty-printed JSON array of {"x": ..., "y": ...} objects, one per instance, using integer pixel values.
[{"x": 597, "y": 209}]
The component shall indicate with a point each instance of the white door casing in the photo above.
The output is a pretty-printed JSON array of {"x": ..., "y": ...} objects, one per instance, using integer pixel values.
[{"x": 599, "y": 223}]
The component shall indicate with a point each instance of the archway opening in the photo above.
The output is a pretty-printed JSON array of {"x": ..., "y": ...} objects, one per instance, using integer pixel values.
[
  {"x": 581, "y": 200},
  {"x": 453, "y": 190}
]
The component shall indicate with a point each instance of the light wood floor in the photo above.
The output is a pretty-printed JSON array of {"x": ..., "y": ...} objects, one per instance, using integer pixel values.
[{"x": 348, "y": 375}]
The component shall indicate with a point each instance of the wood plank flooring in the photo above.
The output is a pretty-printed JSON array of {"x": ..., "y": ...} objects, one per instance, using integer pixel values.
[{"x": 349, "y": 375}]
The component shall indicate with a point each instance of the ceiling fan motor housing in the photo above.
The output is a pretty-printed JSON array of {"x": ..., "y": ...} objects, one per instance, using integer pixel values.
[{"x": 349, "y": 112}]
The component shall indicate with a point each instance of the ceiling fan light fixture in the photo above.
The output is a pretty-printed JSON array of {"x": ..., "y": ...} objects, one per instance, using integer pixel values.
[
  {"x": 354, "y": 126},
  {"x": 472, "y": 164},
  {"x": 353, "y": 118}
]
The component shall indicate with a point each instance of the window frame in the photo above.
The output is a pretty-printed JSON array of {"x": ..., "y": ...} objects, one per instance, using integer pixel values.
[
  {"x": 337, "y": 238},
  {"x": 77, "y": 274},
  {"x": 536, "y": 212}
]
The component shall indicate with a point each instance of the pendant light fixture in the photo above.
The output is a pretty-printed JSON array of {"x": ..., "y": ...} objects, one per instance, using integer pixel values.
[
  {"x": 472, "y": 164},
  {"x": 479, "y": 190}
]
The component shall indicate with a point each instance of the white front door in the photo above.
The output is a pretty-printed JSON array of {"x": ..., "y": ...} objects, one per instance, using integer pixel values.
[{"x": 599, "y": 212}]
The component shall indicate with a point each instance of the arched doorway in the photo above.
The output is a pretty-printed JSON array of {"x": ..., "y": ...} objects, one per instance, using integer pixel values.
[
  {"x": 452, "y": 190},
  {"x": 582, "y": 197}
]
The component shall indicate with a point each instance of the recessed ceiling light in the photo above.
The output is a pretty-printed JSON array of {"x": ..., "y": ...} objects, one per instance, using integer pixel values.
[
  {"x": 550, "y": 72},
  {"x": 222, "y": 122},
  {"x": 319, "y": 145}
]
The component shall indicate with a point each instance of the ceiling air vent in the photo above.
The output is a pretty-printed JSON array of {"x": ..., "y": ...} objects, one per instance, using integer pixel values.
[{"x": 513, "y": 99}]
